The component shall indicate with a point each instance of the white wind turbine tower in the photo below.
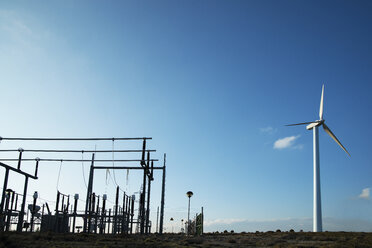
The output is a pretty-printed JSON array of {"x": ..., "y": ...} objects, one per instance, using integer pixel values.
[{"x": 317, "y": 211}]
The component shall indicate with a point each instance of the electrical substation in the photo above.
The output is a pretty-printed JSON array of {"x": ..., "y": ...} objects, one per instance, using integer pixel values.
[{"x": 126, "y": 215}]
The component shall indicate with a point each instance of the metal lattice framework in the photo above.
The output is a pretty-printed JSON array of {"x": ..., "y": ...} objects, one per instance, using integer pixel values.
[{"x": 95, "y": 217}]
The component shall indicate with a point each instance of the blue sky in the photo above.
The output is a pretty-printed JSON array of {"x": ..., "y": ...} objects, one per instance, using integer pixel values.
[{"x": 214, "y": 83}]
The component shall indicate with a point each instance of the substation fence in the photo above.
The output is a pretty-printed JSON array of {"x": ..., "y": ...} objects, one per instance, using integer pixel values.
[{"x": 97, "y": 217}]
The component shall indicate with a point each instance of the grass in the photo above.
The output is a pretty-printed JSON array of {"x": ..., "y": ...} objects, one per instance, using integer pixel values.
[{"x": 268, "y": 239}]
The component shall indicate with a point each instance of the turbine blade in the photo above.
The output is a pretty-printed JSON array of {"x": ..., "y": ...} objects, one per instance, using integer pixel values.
[
  {"x": 326, "y": 128},
  {"x": 303, "y": 123},
  {"x": 321, "y": 105}
]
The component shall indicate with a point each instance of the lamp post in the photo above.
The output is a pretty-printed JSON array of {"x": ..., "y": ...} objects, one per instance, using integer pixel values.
[
  {"x": 189, "y": 194},
  {"x": 171, "y": 219}
]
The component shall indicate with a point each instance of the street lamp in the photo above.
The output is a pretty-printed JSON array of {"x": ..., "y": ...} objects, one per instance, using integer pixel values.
[
  {"x": 171, "y": 219},
  {"x": 189, "y": 194}
]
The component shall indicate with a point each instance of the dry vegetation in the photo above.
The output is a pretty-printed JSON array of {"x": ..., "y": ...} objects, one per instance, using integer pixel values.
[{"x": 267, "y": 239}]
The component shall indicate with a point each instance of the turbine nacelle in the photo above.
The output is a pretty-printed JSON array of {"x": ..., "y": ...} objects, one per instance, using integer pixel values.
[{"x": 314, "y": 124}]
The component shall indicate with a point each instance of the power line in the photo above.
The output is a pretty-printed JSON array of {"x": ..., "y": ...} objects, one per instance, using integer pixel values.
[
  {"x": 73, "y": 139},
  {"x": 115, "y": 183},
  {"x": 113, "y": 165},
  {"x": 73, "y": 160},
  {"x": 71, "y": 151},
  {"x": 127, "y": 167}
]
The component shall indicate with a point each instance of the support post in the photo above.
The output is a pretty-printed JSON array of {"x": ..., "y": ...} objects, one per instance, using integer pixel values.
[
  {"x": 75, "y": 208},
  {"x": 89, "y": 192},
  {"x": 96, "y": 216},
  {"x": 33, "y": 212},
  {"x": 19, "y": 158},
  {"x": 162, "y": 197},
  {"x": 103, "y": 213},
  {"x": 202, "y": 221},
  {"x": 68, "y": 204},
  {"x": 125, "y": 215},
  {"x": 16, "y": 203},
  {"x": 143, "y": 152},
  {"x": 128, "y": 214},
  {"x": 57, "y": 202},
  {"x": 109, "y": 221},
  {"x": 63, "y": 203},
  {"x": 142, "y": 201},
  {"x": 124, "y": 212},
  {"x": 148, "y": 229},
  {"x": 9, "y": 212},
  {"x": 37, "y": 166},
  {"x": 142, "y": 226},
  {"x": 22, "y": 212},
  {"x": 56, "y": 226},
  {"x": 91, "y": 210},
  {"x": 188, "y": 219},
  {"x": 131, "y": 215},
  {"x": 116, "y": 210},
  {"x": 47, "y": 206},
  {"x": 4, "y": 189},
  {"x": 3, "y": 199},
  {"x": 6, "y": 210}
]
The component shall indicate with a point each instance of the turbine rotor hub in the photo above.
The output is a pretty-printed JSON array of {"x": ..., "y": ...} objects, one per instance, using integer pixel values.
[{"x": 314, "y": 124}]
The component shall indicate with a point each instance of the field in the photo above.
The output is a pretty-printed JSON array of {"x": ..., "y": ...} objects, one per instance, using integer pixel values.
[{"x": 267, "y": 239}]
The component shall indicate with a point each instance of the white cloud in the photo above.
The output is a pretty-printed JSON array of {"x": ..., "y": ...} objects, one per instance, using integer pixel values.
[
  {"x": 267, "y": 130},
  {"x": 13, "y": 25},
  {"x": 287, "y": 142},
  {"x": 285, "y": 224},
  {"x": 21, "y": 32},
  {"x": 365, "y": 193},
  {"x": 299, "y": 146},
  {"x": 222, "y": 221}
]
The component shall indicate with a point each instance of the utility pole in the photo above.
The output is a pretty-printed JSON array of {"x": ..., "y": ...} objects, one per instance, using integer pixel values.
[
  {"x": 143, "y": 212},
  {"x": 202, "y": 220},
  {"x": 142, "y": 199},
  {"x": 162, "y": 198},
  {"x": 148, "y": 229}
]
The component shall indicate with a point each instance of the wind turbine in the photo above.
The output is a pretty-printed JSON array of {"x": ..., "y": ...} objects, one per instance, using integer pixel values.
[{"x": 317, "y": 211}]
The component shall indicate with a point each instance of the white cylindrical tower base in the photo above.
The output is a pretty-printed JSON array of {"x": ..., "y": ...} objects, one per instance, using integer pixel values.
[{"x": 317, "y": 214}]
